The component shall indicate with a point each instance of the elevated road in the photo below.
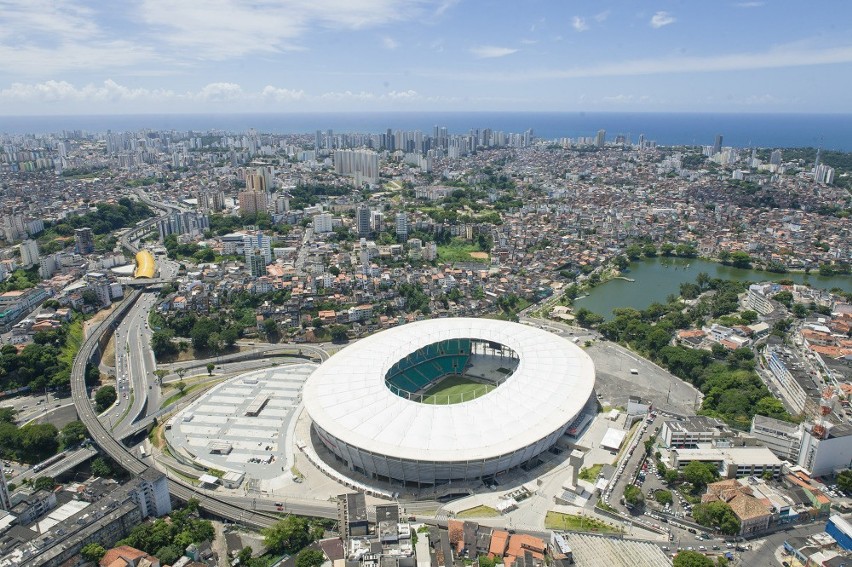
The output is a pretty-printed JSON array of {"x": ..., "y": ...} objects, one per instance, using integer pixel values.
[
  {"x": 71, "y": 460},
  {"x": 236, "y": 512}
]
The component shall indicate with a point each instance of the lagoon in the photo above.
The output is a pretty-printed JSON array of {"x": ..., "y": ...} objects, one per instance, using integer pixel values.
[{"x": 657, "y": 278}]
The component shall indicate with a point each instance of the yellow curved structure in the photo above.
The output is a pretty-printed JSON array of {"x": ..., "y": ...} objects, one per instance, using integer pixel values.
[{"x": 144, "y": 265}]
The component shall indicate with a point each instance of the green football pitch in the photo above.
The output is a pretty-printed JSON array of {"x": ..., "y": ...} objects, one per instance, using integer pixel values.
[{"x": 454, "y": 390}]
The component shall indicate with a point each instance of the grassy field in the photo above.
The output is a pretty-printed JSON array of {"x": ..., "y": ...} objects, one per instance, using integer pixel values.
[
  {"x": 591, "y": 473},
  {"x": 455, "y": 389},
  {"x": 478, "y": 512},
  {"x": 559, "y": 521},
  {"x": 460, "y": 251}
]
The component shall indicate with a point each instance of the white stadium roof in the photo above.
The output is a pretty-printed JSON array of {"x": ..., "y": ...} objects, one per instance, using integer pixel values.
[{"x": 347, "y": 396}]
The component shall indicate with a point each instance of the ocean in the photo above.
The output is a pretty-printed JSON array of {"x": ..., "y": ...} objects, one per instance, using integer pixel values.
[{"x": 829, "y": 131}]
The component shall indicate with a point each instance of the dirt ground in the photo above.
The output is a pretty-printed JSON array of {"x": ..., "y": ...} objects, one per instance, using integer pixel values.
[
  {"x": 99, "y": 316},
  {"x": 479, "y": 255}
]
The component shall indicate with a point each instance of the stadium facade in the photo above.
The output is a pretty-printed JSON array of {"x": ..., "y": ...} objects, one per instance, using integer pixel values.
[{"x": 367, "y": 405}]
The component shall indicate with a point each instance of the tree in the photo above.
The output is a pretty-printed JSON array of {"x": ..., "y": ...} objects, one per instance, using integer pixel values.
[
  {"x": 180, "y": 372},
  {"x": 287, "y": 536},
  {"x": 210, "y": 367},
  {"x": 338, "y": 334},
  {"x": 740, "y": 259},
  {"x": 310, "y": 558},
  {"x": 672, "y": 476},
  {"x": 181, "y": 386},
  {"x": 718, "y": 515},
  {"x": 699, "y": 474},
  {"x": 270, "y": 327},
  {"x": 7, "y": 415},
  {"x": 748, "y": 316},
  {"x": 634, "y": 252},
  {"x": 245, "y": 555},
  {"x": 633, "y": 495},
  {"x": 93, "y": 552},
  {"x": 168, "y": 554},
  {"x": 162, "y": 344},
  {"x": 90, "y": 297},
  {"x": 692, "y": 559},
  {"x": 663, "y": 497},
  {"x": 105, "y": 397},
  {"x": 44, "y": 483},
  {"x": 74, "y": 433},
  {"x": 101, "y": 468},
  {"x": 844, "y": 480}
]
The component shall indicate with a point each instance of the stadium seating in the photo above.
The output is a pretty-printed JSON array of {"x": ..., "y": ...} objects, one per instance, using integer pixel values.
[{"x": 424, "y": 366}]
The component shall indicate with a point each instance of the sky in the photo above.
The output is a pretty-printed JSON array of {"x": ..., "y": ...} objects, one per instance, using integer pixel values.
[{"x": 226, "y": 56}]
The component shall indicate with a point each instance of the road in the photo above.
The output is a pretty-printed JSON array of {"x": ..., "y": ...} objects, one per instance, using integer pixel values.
[{"x": 762, "y": 552}]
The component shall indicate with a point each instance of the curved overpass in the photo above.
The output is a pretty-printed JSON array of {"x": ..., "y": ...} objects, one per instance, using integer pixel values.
[{"x": 119, "y": 453}]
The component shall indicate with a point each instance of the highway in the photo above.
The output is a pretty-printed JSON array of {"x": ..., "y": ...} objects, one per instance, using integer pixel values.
[
  {"x": 236, "y": 511},
  {"x": 119, "y": 453}
]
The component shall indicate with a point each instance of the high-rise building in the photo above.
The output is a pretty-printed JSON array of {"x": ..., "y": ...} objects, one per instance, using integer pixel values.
[
  {"x": 151, "y": 493},
  {"x": 259, "y": 242},
  {"x": 775, "y": 157},
  {"x": 377, "y": 221},
  {"x": 322, "y": 223},
  {"x": 600, "y": 138},
  {"x": 362, "y": 220},
  {"x": 252, "y": 202},
  {"x": 717, "y": 145},
  {"x": 361, "y": 164},
  {"x": 401, "y": 226},
  {"x": 5, "y": 500},
  {"x": 257, "y": 263},
  {"x": 352, "y": 515},
  {"x": 29, "y": 252},
  {"x": 255, "y": 182},
  {"x": 84, "y": 240}
]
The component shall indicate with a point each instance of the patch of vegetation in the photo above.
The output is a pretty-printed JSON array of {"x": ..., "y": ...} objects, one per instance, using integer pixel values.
[
  {"x": 460, "y": 251},
  {"x": 107, "y": 218},
  {"x": 717, "y": 515},
  {"x": 168, "y": 538},
  {"x": 478, "y": 512},
  {"x": 732, "y": 389},
  {"x": 591, "y": 473},
  {"x": 559, "y": 521},
  {"x": 21, "y": 279}
]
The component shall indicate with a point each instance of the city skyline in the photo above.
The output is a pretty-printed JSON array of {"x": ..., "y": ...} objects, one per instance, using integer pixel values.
[{"x": 70, "y": 57}]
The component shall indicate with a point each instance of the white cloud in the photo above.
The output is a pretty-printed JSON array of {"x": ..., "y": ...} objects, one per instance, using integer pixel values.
[
  {"x": 749, "y": 4},
  {"x": 444, "y": 6},
  {"x": 63, "y": 91},
  {"x": 579, "y": 24},
  {"x": 602, "y": 16},
  {"x": 42, "y": 37},
  {"x": 347, "y": 95},
  {"x": 784, "y": 56},
  {"x": 403, "y": 95},
  {"x": 661, "y": 19},
  {"x": 491, "y": 51},
  {"x": 278, "y": 94},
  {"x": 214, "y": 94},
  {"x": 221, "y": 92},
  {"x": 389, "y": 43},
  {"x": 225, "y": 29}
]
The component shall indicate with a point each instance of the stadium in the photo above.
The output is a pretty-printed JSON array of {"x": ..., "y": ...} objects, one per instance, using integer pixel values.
[{"x": 448, "y": 400}]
